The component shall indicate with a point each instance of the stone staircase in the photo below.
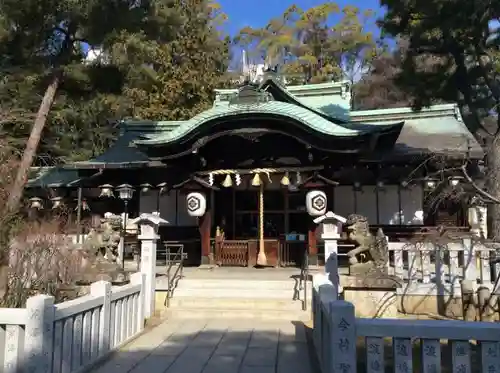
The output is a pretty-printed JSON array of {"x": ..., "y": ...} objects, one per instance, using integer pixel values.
[{"x": 254, "y": 298}]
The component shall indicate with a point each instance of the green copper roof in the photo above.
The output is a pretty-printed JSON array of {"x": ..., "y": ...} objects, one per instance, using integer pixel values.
[
  {"x": 276, "y": 108},
  {"x": 121, "y": 154},
  {"x": 330, "y": 100},
  {"x": 436, "y": 129},
  {"x": 52, "y": 177}
]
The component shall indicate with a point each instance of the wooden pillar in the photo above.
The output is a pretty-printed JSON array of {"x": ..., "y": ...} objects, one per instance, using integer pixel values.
[
  {"x": 312, "y": 244},
  {"x": 205, "y": 225}
]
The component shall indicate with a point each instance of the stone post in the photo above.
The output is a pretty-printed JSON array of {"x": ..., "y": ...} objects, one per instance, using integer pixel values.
[
  {"x": 38, "y": 340},
  {"x": 149, "y": 240},
  {"x": 469, "y": 300},
  {"x": 100, "y": 335},
  {"x": 139, "y": 278},
  {"x": 149, "y": 224},
  {"x": 342, "y": 339},
  {"x": 331, "y": 225}
]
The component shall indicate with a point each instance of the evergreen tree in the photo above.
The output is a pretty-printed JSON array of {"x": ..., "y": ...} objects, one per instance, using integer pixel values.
[
  {"x": 310, "y": 48},
  {"x": 459, "y": 40},
  {"x": 378, "y": 88},
  {"x": 45, "y": 40},
  {"x": 172, "y": 71}
]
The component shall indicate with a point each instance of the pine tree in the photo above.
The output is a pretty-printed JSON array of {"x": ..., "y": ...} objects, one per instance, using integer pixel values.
[
  {"x": 45, "y": 40},
  {"x": 173, "y": 77}
]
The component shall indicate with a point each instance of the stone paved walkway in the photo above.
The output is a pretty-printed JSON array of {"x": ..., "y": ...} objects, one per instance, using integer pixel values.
[{"x": 220, "y": 346}]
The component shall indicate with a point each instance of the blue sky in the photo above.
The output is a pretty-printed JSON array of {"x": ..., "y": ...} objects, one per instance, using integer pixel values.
[{"x": 257, "y": 12}]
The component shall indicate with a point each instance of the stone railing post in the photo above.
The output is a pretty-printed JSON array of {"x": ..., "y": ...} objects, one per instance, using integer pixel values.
[
  {"x": 38, "y": 342},
  {"x": 139, "y": 278},
  {"x": 149, "y": 224},
  {"x": 101, "y": 337},
  {"x": 342, "y": 338}
]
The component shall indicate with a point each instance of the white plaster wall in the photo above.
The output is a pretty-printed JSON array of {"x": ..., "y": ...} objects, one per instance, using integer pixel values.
[
  {"x": 148, "y": 202},
  {"x": 366, "y": 203},
  {"x": 172, "y": 207},
  {"x": 168, "y": 209},
  {"x": 388, "y": 200},
  {"x": 343, "y": 200},
  {"x": 412, "y": 205}
]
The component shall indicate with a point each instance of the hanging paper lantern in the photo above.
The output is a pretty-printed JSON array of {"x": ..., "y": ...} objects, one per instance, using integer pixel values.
[
  {"x": 455, "y": 180},
  {"x": 145, "y": 187},
  {"x": 126, "y": 192},
  {"x": 106, "y": 190},
  {"x": 430, "y": 184},
  {"x": 162, "y": 187},
  {"x": 196, "y": 203},
  {"x": 36, "y": 203},
  {"x": 316, "y": 203},
  {"x": 57, "y": 202}
]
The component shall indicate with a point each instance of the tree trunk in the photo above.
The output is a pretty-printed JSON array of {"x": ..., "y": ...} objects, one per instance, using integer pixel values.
[
  {"x": 17, "y": 189},
  {"x": 493, "y": 185}
]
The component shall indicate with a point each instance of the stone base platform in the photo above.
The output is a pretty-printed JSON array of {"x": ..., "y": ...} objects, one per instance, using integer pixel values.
[{"x": 372, "y": 297}]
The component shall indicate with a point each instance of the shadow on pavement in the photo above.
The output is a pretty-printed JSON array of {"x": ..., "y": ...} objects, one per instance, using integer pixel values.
[{"x": 217, "y": 346}]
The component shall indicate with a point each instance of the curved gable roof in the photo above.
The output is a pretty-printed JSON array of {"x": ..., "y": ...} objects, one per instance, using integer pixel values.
[
  {"x": 322, "y": 99},
  {"x": 276, "y": 108}
]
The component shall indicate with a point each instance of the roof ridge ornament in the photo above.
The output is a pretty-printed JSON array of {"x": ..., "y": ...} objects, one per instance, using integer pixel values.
[
  {"x": 273, "y": 73},
  {"x": 250, "y": 94}
]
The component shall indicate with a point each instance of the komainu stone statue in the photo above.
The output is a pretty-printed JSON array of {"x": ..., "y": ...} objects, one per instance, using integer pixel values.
[
  {"x": 371, "y": 254},
  {"x": 102, "y": 245},
  {"x": 104, "y": 241}
]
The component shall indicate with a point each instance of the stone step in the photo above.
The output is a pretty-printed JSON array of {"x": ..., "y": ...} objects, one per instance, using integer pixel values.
[
  {"x": 237, "y": 284},
  {"x": 235, "y": 304},
  {"x": 238, "y": 293},
  {"x": 261, "y": 314}
]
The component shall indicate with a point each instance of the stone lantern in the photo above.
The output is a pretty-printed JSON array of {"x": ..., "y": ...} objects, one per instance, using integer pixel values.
[
  {"x": 149, "y": 224},
  {"x": 331, "y": 227}
]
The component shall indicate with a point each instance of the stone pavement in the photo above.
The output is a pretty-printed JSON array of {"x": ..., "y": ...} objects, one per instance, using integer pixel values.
[{"x": 219, "y": 346}]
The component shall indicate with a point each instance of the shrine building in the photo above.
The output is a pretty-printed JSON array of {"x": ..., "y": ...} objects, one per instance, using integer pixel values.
[{"x": 232, "y": 181}]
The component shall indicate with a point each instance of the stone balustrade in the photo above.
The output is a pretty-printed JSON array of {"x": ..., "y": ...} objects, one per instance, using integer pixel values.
[{"x": 337, "y": 332}]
